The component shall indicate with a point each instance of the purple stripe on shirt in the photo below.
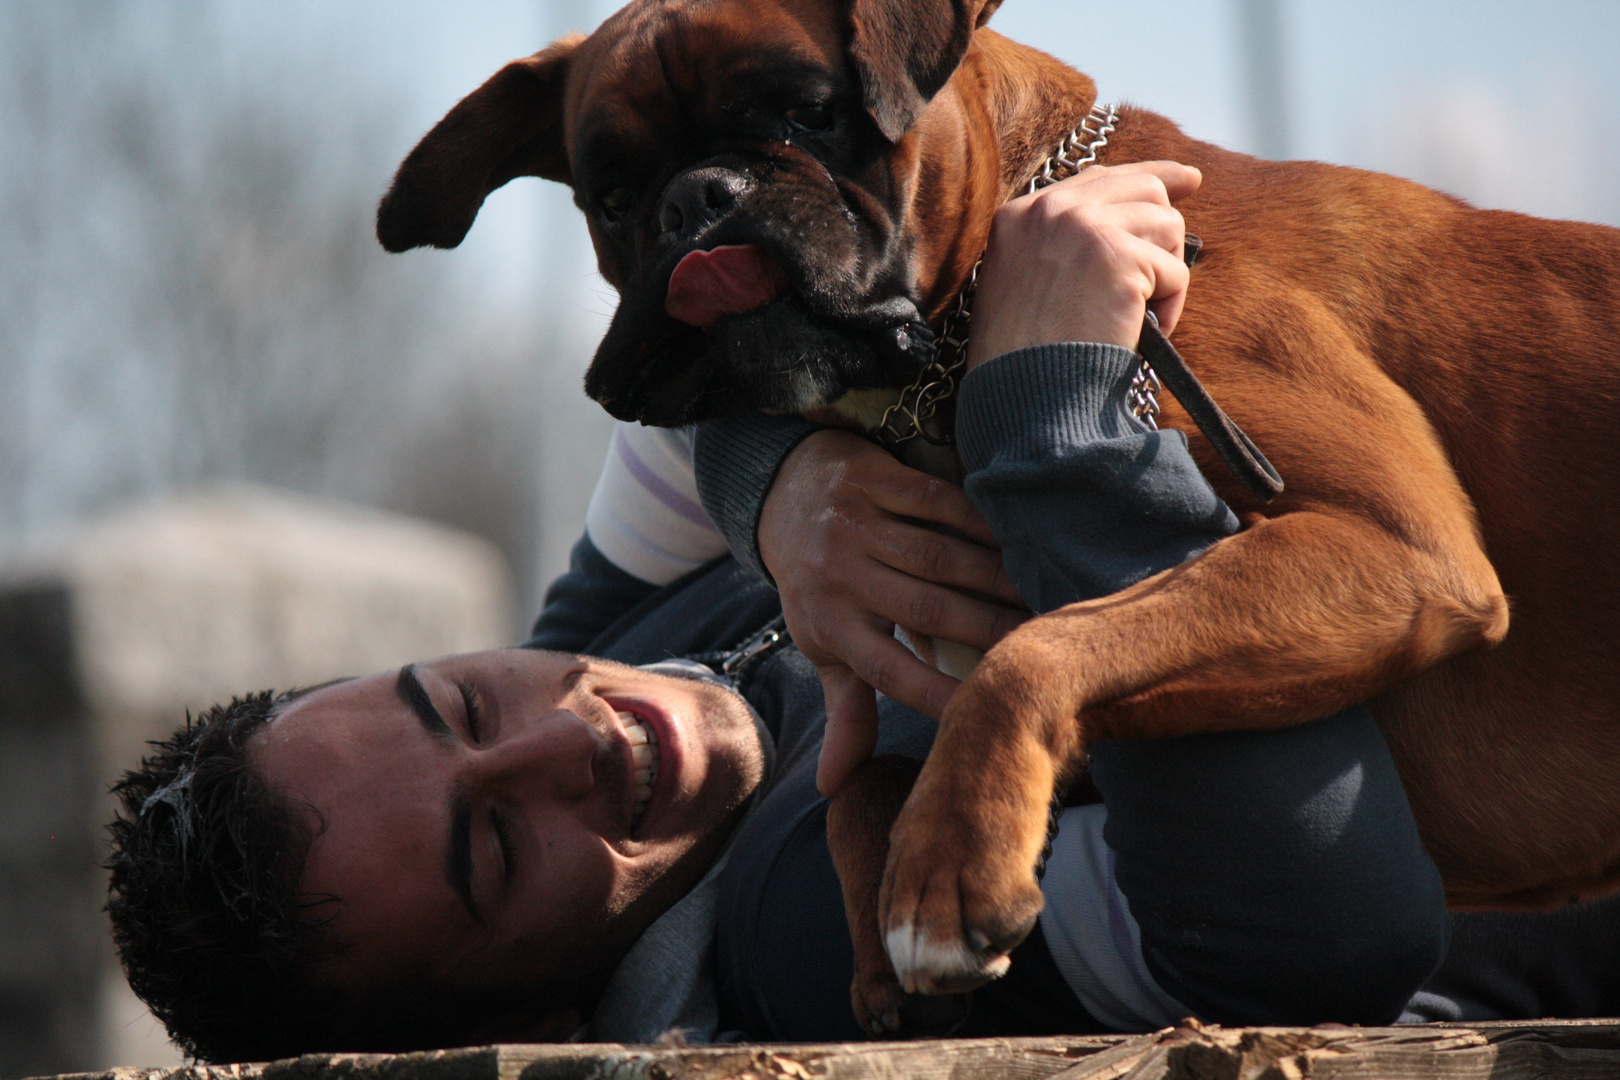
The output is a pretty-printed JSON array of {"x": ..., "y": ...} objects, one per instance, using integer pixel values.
[{"x": 656, "y": 484}]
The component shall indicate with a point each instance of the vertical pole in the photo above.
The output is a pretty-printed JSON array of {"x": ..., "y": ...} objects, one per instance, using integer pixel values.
[{"x": 1260, "y": 32}]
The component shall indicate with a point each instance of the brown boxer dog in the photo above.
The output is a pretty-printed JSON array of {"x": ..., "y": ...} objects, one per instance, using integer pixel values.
[{"x": 787, "y": 192}]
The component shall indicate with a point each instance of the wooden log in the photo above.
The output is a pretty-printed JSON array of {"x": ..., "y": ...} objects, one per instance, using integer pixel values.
[
  {"x": 1441, "y": 1052},
  {"x": 1551, "y": 1050}
]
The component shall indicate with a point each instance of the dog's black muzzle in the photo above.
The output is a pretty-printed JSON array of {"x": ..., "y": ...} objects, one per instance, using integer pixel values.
[{"x": 800, "y": 351}]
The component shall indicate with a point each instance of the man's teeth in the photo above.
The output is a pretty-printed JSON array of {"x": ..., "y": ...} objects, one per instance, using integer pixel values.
[{"x": 644, "y": 752}]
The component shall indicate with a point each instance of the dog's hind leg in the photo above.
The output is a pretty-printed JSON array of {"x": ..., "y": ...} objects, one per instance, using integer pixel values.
[{"x": 858, "y": 822}]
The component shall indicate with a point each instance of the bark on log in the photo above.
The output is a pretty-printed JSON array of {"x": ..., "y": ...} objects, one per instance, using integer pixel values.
[{"x": 1551, "y": 1050}]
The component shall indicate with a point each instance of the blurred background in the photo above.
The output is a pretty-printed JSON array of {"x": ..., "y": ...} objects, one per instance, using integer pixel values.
[{"x": 239, "y": 442}]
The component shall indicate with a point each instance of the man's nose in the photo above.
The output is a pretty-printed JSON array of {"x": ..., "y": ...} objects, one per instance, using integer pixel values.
[{"x": 558, "y": 756}]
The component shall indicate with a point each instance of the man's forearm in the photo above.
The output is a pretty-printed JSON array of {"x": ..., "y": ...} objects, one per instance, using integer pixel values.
[{"x": 1084, "y": 499}]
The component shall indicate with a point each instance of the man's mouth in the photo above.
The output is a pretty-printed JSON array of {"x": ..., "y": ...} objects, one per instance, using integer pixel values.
[{"x": 644, "y": 755}]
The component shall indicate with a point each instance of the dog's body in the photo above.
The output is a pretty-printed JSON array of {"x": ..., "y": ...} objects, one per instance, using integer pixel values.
[{"x": 1436, "y": 383}]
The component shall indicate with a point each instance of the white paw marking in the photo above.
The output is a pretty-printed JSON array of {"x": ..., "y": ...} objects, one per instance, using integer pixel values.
[{"x": 926, "y": 966}]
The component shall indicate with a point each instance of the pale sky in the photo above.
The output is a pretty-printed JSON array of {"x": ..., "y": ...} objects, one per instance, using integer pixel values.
[{"x": 1510, "y": 103}]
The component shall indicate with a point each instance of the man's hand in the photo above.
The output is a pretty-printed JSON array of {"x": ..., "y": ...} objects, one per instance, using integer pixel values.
[
  {"x": 1082, "y": 259},
  {"x": 849, "y": 566},
  {"x": 1078, "y": 261}
]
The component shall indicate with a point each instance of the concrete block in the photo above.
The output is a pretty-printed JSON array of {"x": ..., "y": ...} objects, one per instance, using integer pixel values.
[{"x": 110, "y": 634}]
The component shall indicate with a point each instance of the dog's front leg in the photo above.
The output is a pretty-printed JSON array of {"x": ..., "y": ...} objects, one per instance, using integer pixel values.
[
  {"x": 858, "y": 822},
  {"x": 1290, "y": 620}
]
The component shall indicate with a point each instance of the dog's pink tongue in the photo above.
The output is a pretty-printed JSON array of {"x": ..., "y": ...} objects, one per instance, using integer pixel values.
[{"x": 728, "y": 280}]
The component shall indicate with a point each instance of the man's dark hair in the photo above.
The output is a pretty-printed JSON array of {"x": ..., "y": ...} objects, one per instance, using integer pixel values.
[
  {"x": 204, "y": 890},
  {"x": 212, "y": 931}
]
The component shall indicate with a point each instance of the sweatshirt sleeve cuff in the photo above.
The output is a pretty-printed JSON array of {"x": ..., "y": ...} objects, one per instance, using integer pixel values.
[
  {"x": 1069, "y": 393},
  {"x": 736, "y": 460}
]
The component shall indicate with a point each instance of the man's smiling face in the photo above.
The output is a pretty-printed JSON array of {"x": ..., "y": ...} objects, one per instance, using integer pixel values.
[{"x": 479, "y": 818}]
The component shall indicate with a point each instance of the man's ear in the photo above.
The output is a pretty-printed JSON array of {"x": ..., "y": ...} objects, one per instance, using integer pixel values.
[
  {"x": 511, "y": 126},
  {"x": 905, "y": 50}
]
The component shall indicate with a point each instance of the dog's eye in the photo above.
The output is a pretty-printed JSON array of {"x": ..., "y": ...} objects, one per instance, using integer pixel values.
[
  {"x": 616, "y": 202},
  {"x": 817, "y": 117}
]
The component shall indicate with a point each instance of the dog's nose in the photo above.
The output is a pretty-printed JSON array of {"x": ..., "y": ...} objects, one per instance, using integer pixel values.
[{"x": 697, "y": 199}]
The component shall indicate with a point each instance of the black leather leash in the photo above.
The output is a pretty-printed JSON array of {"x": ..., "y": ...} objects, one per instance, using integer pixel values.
[{"x": 1235, "y": 448}]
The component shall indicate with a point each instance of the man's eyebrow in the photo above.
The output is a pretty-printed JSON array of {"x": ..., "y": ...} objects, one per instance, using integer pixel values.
[
  {"x": 458, "y": 853},
  {"x": 458, "y": 849},
  {"x": 412, "y": 692}
]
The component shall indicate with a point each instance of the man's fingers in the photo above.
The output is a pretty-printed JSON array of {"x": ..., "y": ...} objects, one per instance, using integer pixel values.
[
  {"x": 1170, "y": 280},
  {"x": 1162, "y": 226},
  {"x": 1179, "y": 180},
  {"x": 1122, "y": 182},
  {"x": 844, "y": 622},
  {"x": 1079, "y": 262},
  {"x": 907, "y": 492},
  {"x": 851, "y": 732},
  {"x": 1145, "y": 271},
  {"x": 892, "y": 669},
  {"x": 935, "y": 557}
]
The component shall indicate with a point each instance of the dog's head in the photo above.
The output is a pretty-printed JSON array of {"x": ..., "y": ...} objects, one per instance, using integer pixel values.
[{"x": 749, "y": 170}]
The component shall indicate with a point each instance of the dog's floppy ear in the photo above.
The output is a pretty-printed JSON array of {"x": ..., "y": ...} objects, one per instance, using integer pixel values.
[
  {"x": 905, "y": 50},
  {"x": 511, "y": 126}
]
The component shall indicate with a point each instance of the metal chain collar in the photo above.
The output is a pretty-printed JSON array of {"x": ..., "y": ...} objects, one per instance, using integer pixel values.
[
  {"x": 909, "y": 417},
  {"x": 1142, "y": 396}
]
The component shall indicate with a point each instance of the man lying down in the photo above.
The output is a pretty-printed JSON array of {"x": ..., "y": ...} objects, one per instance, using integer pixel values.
[{"x": 615, "y": 830}]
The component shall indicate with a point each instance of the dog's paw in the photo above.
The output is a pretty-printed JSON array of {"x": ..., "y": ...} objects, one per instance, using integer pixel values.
[
  {"x": 885, "y": 1011},
  {"x": 954, "y": 905},
  {"x": 959, "y": 890},
  {"x": 938, "y": 965}
]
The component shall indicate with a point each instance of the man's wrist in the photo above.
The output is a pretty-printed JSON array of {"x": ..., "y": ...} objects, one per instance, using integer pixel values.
[
  {"x": 1068, "y": 392},
  {"x": 736, "y": 461}
]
